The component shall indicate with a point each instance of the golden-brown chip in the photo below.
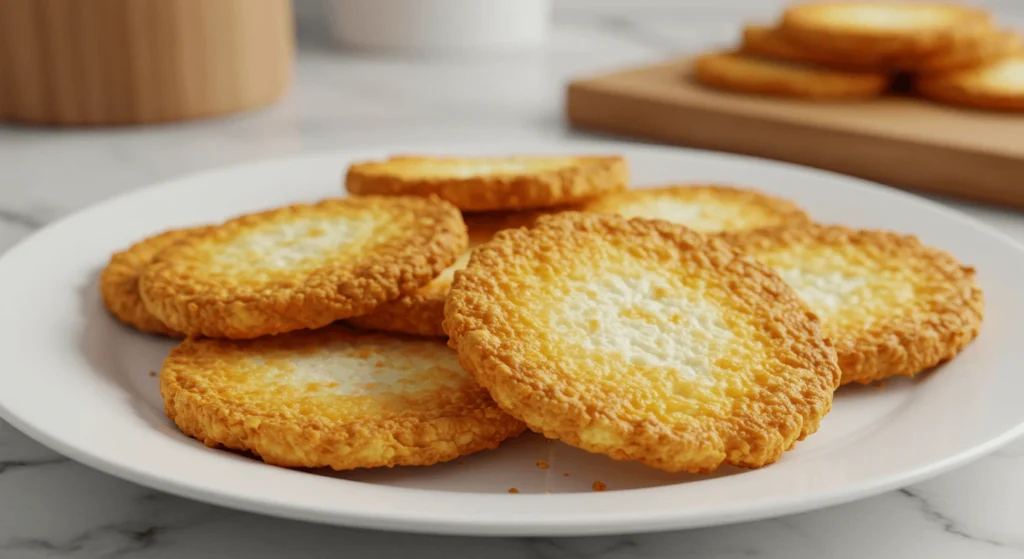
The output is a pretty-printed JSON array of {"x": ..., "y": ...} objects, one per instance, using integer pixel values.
[
  {"x": 301, "y": 266},
  {"x": 492, "y": 183},
  {"x": 421, "y": 313},
  {"x": 985, "y": 50},
  {"x": 997, "y": 86},
  {"x": 883, "y": 29},
  {"x": 764, "y": 41},
  {"x": 119, "y": 281},
  {"x": 703, "y": 207},
  {"x": 642, "y": 340},
  {"x": 331, "y": 398},
  {"x": 750, "y": 74},
  {"x": 768, "y": 42},
  {"x": 891, "y": 305}
]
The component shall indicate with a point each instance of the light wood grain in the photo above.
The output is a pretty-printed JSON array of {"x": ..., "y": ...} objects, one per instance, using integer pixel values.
[
  {"x": 901, "y": 141},
  {"x": 88, "y": 62}
]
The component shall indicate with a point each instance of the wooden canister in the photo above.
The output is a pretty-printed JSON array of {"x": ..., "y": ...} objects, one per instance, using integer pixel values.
[{"x": 96, "y": 62}]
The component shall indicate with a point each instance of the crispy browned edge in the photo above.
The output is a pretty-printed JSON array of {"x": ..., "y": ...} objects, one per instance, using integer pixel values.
[
  {"x": 483, "y": 226},
  {"x": 787, "y": 210},
  {"x": 716, "y": 69},
  {"x": 592, "y": 176},
  {"x": 119, "y": 281},
  {"x": 961, "y": 88},
  {"x": 416, "y": 314},
  {"x": 293, "y": 440},
  {"x": 316, "y": 299},
  {"x": 492, "y": 354},
  {"x": 800, "y": 25},
  {"x": 904, "y": 345},
  {"x": 421, "y": 313}
]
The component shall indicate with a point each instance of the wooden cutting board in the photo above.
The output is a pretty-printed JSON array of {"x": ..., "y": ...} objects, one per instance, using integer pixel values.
[{"x": 898, "y": 140}]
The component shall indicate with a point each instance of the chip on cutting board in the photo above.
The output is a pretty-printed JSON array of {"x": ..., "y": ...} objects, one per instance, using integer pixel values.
[
  {"x": 883, "y": 29},
  {"x": 705, "y": 208},
  {"x": 996, "y": 86},
  {"x": 981, "y": 51},
  {"x": 752, "y": 74},
  {"x": 301, "y": 266},
  {"x": 891, "y": 305},
  {"x": 421, "y": 313},
  {"x": 332, "y": 398},
  {"x": 768, "y": 42},
  {"x": 119, "y": 281},
  {"x": 642, "y": 340},
  {"x": 492, "y": 183}
]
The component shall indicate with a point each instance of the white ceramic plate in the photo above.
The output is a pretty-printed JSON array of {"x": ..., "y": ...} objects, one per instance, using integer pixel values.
[{"x": 76, "y": 380}]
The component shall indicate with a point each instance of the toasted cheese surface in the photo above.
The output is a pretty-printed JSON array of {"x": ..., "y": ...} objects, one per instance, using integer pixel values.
[
  {"x": 295, "y": 244},
  {"x": 846, "y": 286},
  {"x": 301, "y": 266},
  {"x": 622, "y": 317},
  {"x": 331, "y": 397},
  {"x": 704, "y": 208},
  {"x": 373, "y": 367},
  {"x": 643, "y": 340},
  {"x": 891, "y": 305}
]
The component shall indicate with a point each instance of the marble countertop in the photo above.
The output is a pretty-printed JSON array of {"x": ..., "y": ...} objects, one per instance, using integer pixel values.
[{"x": 51, "y": 507}]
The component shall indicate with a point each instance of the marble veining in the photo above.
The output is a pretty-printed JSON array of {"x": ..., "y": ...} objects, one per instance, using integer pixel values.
[
  {"x": 949, "y": 526},
  {"x": 7, "y": 465},
  {"x": 20, "y": 219},
  {"x": 51, "y": 507}
]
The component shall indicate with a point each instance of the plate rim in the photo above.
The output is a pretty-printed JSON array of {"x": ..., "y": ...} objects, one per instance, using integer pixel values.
[
  {"x": 801, "y": 503},
  {"x": 243, "y": 503}
]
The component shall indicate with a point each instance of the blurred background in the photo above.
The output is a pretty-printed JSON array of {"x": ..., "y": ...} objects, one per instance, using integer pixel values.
[{"x": 328, "y": 95}]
